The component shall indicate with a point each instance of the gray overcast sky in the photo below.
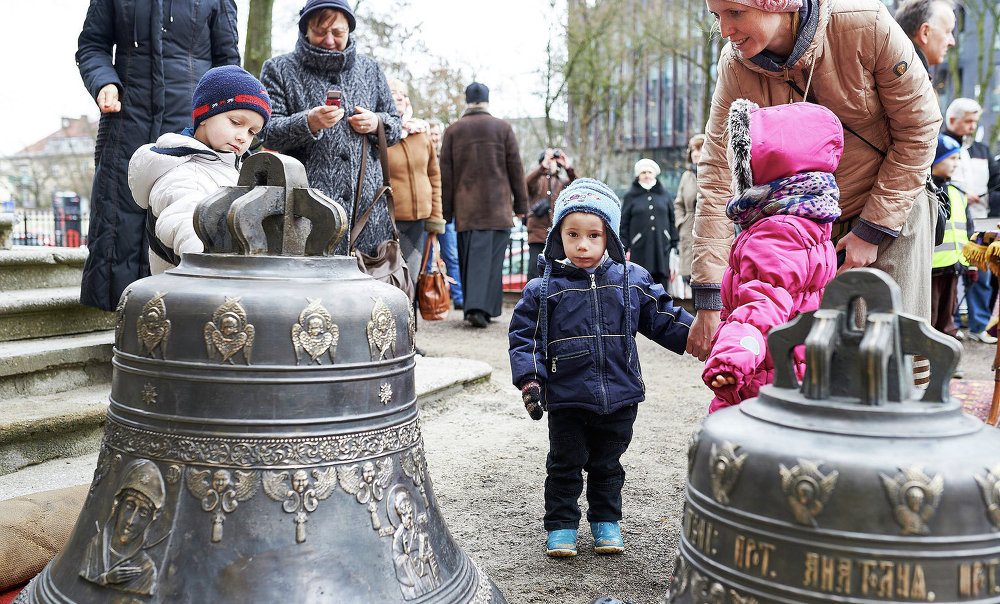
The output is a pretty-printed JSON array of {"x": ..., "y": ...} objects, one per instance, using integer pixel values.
[{"x": 502, "y": 42}]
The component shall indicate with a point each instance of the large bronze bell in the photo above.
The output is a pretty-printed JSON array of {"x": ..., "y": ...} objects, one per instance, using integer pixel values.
[
  {"x": 853, "y": 486},
  {"x": 262, "y": 441}
]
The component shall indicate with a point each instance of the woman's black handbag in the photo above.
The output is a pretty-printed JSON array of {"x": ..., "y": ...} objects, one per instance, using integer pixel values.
[{"x": 940, "y": 195}]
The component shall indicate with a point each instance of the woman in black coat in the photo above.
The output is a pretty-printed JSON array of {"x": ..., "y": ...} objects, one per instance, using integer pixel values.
[
  {"x": 140, "y": 61},
  {"x": 647, "y": 228}
]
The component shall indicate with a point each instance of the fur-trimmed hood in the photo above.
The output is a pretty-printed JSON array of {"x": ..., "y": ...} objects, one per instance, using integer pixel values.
[{"x": 769, "y": 143}]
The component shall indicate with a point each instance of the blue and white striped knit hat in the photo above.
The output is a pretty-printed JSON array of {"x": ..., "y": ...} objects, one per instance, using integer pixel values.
[{"x": 594, "y": 197}]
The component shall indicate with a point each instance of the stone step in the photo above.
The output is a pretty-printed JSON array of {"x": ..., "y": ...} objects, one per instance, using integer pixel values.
[
  {"x": 38, "y": 313},
  {"x": 39, "y": 428},
  {"x": 43, "y": 366},
  {"x": 29, "y": 267},
  {"x": 434, "y": 377}
]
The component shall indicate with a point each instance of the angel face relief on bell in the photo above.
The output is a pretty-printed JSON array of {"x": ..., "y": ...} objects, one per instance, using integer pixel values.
[
  {"x": 806, "y": 489},
  {"x": 914, "y": 497},
  {"x": 726, "y": 469},
  {"x": 315, "y": 334},
  {"x": 229, "y": 332},
  {"x": 220, "y": 493},
  {"x": 152, "y": 327},
  {"x": 381, "y": 331},
  {"x": 299, "y": 494}
]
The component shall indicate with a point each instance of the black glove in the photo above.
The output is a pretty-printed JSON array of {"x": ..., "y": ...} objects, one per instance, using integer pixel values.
[{"x": 531, "y": 394}]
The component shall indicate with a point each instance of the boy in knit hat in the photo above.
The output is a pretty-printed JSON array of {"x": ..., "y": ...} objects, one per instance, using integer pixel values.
[
  {"x": 573, "y": 354},
  {"x": 948, "y": 263},
  {"x": 171, "y": 176}
]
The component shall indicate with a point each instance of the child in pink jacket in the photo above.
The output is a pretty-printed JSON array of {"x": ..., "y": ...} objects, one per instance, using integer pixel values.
[{"x": 782, "y": 159}]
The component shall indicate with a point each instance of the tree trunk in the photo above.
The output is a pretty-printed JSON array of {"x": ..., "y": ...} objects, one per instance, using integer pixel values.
[{"x": 258, "y": 47}]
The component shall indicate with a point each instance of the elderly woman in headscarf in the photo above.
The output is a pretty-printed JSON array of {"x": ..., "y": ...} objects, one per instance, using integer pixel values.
[
  {"x": 304, "y": 126},
  {"x": 684, "y": 206},
  {"x": 416, "y": 181},
  {"x": 647, "y": 229}
]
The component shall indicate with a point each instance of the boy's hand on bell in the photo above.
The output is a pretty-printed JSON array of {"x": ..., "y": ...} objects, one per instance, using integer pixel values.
[
  {"x": 531, "y": 394},
  {"x": 722, "y": 379},
  {"x": 107, "y": 99}
]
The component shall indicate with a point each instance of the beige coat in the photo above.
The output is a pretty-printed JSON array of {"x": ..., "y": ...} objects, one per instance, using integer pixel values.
[
  {"x": 684, "y": 207},
  {"x": 415, "y": 179},
  {"x": 866, "y": 71}
]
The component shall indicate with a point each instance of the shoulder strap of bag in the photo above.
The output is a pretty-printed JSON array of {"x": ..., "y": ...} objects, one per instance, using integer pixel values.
[
  {"x": 812, "y": 99},
  {"x": 386, "y": 188}
]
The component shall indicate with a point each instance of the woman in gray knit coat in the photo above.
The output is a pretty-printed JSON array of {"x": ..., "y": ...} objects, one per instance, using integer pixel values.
[{"x": 303, "y": 126}]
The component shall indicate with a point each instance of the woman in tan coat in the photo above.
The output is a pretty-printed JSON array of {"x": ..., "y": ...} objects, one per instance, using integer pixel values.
[
  {"x": 684, "y": 206},
  {"x": 416, "y": 182},
  {"x": 852, "y": 57}
]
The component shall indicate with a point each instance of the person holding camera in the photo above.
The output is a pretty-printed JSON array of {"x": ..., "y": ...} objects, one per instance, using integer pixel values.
[{"x": 544, "y": 185}]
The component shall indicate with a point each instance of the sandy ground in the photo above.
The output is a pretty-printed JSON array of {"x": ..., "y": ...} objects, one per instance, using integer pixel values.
[{"x": 487, "y": 460}]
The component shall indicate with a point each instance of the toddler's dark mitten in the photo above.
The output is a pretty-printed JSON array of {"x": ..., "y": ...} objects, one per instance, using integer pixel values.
[{"x": 531, "y": 394}]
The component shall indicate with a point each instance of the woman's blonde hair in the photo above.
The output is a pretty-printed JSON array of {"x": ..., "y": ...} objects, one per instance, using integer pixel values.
[
  {"x": 695, "y": 143},
  {"x": 397, "y": 85}
]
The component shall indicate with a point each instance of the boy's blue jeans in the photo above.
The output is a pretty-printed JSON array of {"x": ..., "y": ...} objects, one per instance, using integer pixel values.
[
  {"x": 584, "y": 440},
  {"x": 449, "y": 253},
  {"x": 977, "y": 300}
]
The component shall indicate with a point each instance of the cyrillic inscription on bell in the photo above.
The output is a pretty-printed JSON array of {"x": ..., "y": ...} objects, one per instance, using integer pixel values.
[
  {"x": 262, "y": 441},
  {"x": 851, "y": 486}
]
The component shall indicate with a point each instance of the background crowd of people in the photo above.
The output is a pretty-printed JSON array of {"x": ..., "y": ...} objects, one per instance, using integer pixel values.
[{"x": 465, "y": 181}]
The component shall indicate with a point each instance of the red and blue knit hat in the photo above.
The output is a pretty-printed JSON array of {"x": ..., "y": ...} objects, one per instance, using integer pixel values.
[{"x": 227, "y": 88}]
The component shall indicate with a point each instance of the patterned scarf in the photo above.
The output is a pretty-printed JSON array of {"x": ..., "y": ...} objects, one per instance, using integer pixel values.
[
  {"x": 412, "y": 125},
  {"x": 812, "y": 195}
]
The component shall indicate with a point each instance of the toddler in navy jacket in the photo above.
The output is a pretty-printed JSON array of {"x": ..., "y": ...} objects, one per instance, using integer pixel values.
[{"x": 573, "y": 353}]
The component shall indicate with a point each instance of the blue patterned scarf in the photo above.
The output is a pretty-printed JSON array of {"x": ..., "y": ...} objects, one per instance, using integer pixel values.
[{"x": 812, "y": 195}]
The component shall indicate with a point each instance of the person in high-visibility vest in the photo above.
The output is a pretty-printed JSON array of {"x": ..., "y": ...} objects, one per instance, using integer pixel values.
[{"x": 948, "y": 262}]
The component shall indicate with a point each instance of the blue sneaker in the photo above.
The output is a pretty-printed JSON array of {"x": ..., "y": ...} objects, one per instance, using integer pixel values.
[
  {"x": 561, "y": 543},
  {"x": 607, "y": 537}
]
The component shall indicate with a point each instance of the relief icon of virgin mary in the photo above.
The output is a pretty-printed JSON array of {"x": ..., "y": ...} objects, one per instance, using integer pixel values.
[{"x": 115, "y": 556}]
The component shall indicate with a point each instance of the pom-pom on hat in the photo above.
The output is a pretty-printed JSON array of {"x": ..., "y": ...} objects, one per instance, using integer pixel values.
[
  {"x": 477, "y": 93},
  {"x": 315, "y": 5},
  {"x": 768, "y": 143},
  {"x": 227, "y": 88},
  {"x": 946, "y": 146},
  {"x": 772, "y": 6},
  {"x": 591, "y": 196},
  {"x": 646, "y": 164}
]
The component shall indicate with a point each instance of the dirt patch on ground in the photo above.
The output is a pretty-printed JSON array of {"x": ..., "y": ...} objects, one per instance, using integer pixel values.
[{"x": 487, "y": 460}]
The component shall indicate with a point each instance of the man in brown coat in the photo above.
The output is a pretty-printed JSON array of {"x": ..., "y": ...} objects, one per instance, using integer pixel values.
[{"x": 482, "y": 186}]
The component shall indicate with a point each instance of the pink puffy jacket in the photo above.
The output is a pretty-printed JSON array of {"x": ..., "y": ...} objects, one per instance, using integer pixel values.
[{"x": 778, "y": 268}]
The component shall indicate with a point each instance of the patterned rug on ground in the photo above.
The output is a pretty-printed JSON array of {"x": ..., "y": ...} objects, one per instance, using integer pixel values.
[{"x": 976, "y": 396}]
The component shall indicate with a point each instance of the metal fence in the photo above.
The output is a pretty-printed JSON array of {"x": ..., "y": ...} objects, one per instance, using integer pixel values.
[
  {"x": 515, "y": 261},
  {"x": 50, "y": 227}
]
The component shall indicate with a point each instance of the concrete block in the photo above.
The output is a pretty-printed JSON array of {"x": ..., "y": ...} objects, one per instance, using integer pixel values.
[
  {"x": 24, "y": 267},
  {"x": 36, "y": 313},
  {"x": 66, "y": 424},
  {"x": 46, "y": 365}
]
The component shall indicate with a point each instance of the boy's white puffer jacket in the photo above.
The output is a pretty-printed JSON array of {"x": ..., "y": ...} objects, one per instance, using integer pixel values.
[{"x": 172, "y": 185}]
